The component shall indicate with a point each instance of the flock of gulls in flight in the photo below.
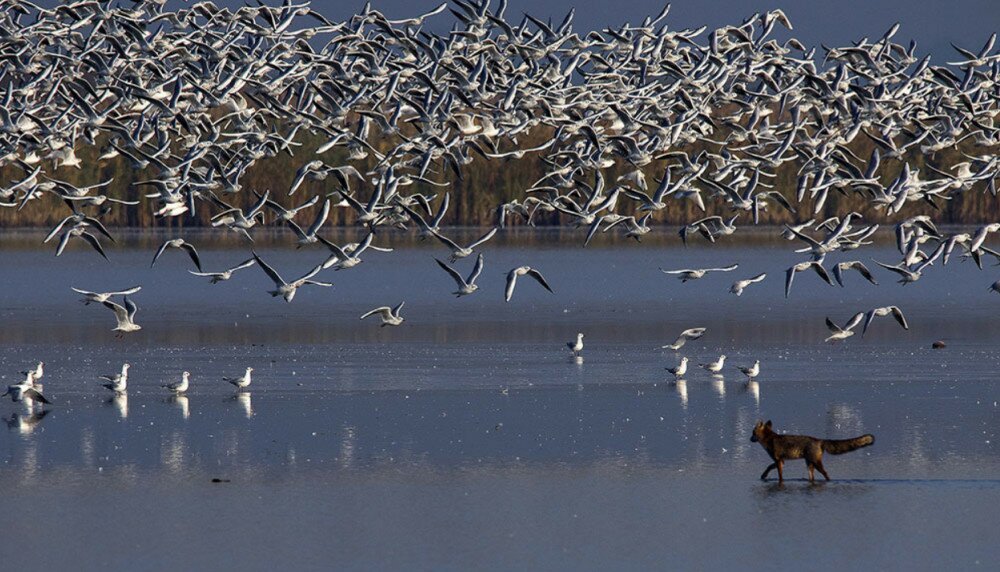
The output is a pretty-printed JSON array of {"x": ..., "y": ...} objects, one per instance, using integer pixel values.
[{"x": 630, "y": 123}]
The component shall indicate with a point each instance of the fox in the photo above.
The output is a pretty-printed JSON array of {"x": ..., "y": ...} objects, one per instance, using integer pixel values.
[{"x": 782, "y": 447}]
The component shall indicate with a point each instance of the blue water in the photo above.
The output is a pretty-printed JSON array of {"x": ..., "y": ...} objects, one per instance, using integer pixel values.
[{"x": 468, "y": 438}]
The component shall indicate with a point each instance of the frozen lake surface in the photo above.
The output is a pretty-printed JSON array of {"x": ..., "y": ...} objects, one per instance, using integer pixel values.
[{"x": 469, "y": 439}]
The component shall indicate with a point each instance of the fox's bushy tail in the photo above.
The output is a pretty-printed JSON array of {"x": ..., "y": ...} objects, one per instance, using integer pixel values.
[{"x": 838, "y": 446}]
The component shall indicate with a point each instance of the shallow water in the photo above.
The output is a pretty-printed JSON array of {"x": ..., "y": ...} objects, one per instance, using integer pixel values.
[{"x": 468, "y": 438}]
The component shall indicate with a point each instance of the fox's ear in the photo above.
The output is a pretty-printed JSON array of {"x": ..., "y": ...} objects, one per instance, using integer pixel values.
[{"x": 768, "y": 424}]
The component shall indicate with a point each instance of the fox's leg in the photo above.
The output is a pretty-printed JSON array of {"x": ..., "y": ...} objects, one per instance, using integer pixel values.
[
  {"x": 822, "y": 471},
  {"x": 811, "y": 473},
  {"x": 769, "y": 468},
  {"x": 781, "y": 475}
]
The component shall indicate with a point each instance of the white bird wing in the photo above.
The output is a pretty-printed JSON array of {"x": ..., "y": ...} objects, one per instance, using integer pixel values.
[
  {"x": 364, "y": 245},
  {"x": 300, "y": 176},
  {"x": 159, "y": 252},
  {"x": 898, "y": 314},
  {"x": 305, "y": 278},
  {"x": 384, "y": 311},
  {"x": 271, "y": 272},
  {"x": 477, "y": 269},
  {"x": 442, "y": 210},
  {"x": 96, "y": 244},
  {"x": 337, "y": 251},
  {"x": 245, "y": 264},
  {"x": 896, "y": 269},
  {"x": 446, "y": 241},
  {"x": 306, "y": 204},
  {"x": 511, "y": 282},
  {"x": 320, "y": 218},
  {"x": 854, "y": 321},
  {"x": 452, "y": 272},
  {"x": 189, "y": 248},
  {"x": 483, "y": 238},
  {"x": 693, "y": 333},
  {"x": 863, "y": 270},
  {"x": 121, "y": 314},
  {"x": 63, "y": 241},
  {"x": 868, "y": 320},
  {"x": 357, "y": 206},
  {"x": 833, "y": 327},
  {"x": 789, "y": 278},
  {"x": 540, "y": 279},
  {"x": 678, "y": 344},
  {"x": 36, "y": 395},
  {"x": 259, "y": 205},
  {"x": 301, "y": 234},
  {"x": 415, "y": 217},
  {"x": 821, "y": 272},
  {"x": 57, "y": 228},
  {"x": 838, "y": 273},
  {"x": 805, "y": 238},
  {"x": 131, "y": 307}
]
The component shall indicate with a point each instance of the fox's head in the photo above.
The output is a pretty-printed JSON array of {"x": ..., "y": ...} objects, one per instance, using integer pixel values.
[{"x": 759, "y": 430}]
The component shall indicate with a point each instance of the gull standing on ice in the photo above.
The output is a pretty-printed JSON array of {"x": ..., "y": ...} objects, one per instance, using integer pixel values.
[
  {"x": 752, "y": 371},
  {"x": 715, "y": 366},
  {"x": 680, "y": 369},
  {"x": 180, "y": 386},
  {"x": 36, "y": 373},
  {"x": 577, "y": 346},
  {"x": 25, "y": 390},
  {"x": 117, "y": 382},
  {"x": 241, "y": 382}
]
